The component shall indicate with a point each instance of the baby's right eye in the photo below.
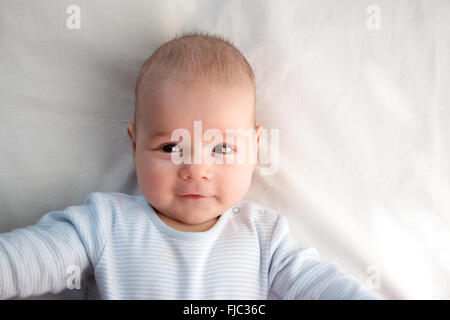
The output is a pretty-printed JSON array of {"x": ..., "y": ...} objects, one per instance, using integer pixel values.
[{"x": 170, "y": 147}]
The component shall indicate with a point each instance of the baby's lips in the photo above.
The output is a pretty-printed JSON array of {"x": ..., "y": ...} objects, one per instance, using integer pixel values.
[{"x": 194, "y": 195}]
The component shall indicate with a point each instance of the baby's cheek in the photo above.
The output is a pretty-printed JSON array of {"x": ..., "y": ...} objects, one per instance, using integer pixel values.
[
  {"x": 153, "y": 176},
  {"x": 234, "y": 181}
]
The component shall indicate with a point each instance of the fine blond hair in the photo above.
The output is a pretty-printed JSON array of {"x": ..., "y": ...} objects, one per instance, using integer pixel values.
[{"x": 194, "y": 55}]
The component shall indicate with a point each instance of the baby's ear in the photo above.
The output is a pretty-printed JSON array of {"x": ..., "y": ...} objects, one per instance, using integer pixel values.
[
  {"x": 132, "y": 134},
  {"x": 258, "y": 133},
  {"x": 130, "y": 129},
  {"x": 258, "y": 129}
]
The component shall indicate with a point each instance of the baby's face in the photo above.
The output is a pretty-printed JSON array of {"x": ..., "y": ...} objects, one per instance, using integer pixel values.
[{"x": 163, "y": 182}]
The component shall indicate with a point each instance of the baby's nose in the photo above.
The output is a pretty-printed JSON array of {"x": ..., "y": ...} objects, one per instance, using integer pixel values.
[{"x": 201, "y": 172}]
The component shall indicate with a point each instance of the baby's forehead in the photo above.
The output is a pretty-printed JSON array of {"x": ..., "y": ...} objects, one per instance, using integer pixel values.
[
  {"x": 155, "y": 129},
  {"x": 188, "y": 83},
  {"x": 215, "y": 123},
  {"x": 175, "y": 103},
  {"x": 209, "y": 99}
]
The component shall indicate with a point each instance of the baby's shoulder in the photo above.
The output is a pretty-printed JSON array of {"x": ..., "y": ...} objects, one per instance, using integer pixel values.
[
  {"x": 256, "y": 212},
  {"x": 116, "y": 202}
]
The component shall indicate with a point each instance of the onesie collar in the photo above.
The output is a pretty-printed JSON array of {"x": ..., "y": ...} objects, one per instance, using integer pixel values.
[{"x": 184, "y": 235}]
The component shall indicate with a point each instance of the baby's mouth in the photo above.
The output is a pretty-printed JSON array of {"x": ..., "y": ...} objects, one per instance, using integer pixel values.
[{"x": 193, "y": 196}]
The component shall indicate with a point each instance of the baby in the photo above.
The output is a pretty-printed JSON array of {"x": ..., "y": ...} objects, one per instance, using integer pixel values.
[{"x": 190, "y": 235}]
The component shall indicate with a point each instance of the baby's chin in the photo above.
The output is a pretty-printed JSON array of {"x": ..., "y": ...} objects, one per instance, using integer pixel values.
[
  {"x": 193, "y": 216},
  {"x": 192, "y": 211}
]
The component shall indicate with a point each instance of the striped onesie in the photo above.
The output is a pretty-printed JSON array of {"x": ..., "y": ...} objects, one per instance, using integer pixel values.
[{"x": 120, "y": 240}]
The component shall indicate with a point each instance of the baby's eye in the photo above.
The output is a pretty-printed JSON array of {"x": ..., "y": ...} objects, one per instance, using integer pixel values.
[
  {"x": 170, "y": 147},
  {"x": 222, "y": 148}
]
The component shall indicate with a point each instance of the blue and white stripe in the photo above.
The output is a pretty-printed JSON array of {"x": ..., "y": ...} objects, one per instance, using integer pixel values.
[{"x": 247, "y": 254}]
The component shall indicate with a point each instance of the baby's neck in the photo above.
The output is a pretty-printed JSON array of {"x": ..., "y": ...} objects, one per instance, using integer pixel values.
[{"x": 180, "y": 226}]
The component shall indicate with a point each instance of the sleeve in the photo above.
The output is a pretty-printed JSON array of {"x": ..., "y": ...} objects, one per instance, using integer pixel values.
[
  {"x": 298, "y": 273},
  {"x": 42, "y": 258}
]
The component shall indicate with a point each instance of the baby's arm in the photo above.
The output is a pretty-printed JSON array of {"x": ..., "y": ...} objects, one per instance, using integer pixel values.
[
  {"x": 41, "y": 258},
  {"x": 297, "y": 273}
]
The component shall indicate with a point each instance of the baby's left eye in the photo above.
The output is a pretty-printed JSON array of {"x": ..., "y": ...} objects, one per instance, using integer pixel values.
[
  {"x": 170, "y": 147},
  {"x": 222, "y": 148}
]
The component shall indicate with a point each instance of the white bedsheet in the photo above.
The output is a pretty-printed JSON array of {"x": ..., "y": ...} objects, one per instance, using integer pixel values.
[{"x": 359, "y": 91}]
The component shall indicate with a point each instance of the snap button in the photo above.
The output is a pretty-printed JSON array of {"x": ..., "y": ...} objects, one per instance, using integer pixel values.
[{"x": 235, "y": 209}]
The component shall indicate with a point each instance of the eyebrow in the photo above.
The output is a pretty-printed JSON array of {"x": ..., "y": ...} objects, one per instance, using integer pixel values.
[
  {"x": 158, "y": 134},
  {"x": 162, "y": 134}
]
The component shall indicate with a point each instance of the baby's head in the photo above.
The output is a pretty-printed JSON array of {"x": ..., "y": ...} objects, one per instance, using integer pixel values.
[{"x": 191, "y": 78}]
